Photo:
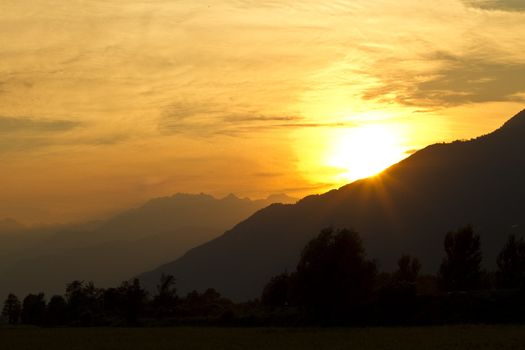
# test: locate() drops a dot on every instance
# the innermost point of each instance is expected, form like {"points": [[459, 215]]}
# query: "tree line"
{"points": [[83, 304], [335, 282]]}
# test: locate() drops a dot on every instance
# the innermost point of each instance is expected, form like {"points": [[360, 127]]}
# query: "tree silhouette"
{"points": [[511, 264], [208, 304], [407, 269], [165, 301], [12, 309], [83, 302], [276, 292], [461, 268], [334, 273], [398, 296], [403, 285], [131, 300], [57, 311], [211, 296], [110, 301], [34, 309]]}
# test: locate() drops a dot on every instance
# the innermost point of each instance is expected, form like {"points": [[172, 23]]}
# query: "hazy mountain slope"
{"points": [[407, 209], [106, 263], [110, 251], [10, 225], [162, 215]]}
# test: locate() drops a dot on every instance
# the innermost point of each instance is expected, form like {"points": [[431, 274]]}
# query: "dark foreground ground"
{"points": [[450, 337]]}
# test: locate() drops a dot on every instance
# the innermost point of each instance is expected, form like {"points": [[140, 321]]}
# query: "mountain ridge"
{"points": [[406, 209], [10, 225], [108, 252]]}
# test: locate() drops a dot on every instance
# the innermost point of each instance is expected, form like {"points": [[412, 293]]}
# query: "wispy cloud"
{"points": [[25, 134], [207, 120], [258, 118], [506, 5], [20, 134], [460, 80], [10, 125]]}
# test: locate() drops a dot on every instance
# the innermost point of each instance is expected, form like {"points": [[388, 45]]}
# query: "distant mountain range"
{"points": [[8, 225], [406, 209], [108, 252]]}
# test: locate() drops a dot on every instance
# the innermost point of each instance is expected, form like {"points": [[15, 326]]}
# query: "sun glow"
{"points": [[365, 151]]}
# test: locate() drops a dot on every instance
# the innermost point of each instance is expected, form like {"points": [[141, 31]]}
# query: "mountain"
{"points": [[10, 225], [162, 215], [110, 251], [407, 209]]}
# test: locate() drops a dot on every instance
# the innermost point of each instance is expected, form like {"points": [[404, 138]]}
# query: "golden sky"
{"points": [[107, 103]]}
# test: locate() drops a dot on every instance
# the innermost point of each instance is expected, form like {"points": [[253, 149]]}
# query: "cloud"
{"points": [[505, 5], [268, 174], [10, 125], [258, 118], [17, 143], [242, 130], [208, 120], [461, 80], [19, 134]]}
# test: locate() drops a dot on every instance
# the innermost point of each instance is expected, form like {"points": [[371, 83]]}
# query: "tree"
{"points": [[207, 304], [511, 264], [12, 309], [333, 273], [407, 269], [211, 296], [131, 300], [83, 302], [402, 288], [34, 309], [398, 297], [461, 268], [276, 292], [57, 311], [166, 298]]}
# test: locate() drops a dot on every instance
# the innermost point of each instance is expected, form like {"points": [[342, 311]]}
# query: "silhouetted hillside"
{"points": [[405, 210], [110, 251]]}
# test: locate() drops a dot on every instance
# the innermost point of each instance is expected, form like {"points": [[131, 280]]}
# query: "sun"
{"points": [[364, 151]]}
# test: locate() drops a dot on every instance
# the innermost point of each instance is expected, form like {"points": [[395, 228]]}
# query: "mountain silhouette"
{"points": [[9, 225], [110, 251], [407, 209]]}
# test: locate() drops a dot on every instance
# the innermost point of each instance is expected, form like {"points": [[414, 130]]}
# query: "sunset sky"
{"points": [[107, 103]]}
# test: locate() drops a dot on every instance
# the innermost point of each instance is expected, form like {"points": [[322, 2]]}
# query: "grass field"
{"points": [[456, 337]]}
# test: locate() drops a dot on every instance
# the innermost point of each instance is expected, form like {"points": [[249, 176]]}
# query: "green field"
{"points": [[456, 337]]}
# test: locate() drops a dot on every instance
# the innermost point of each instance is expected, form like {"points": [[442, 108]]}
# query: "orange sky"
{"points": [[107, 103]]}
